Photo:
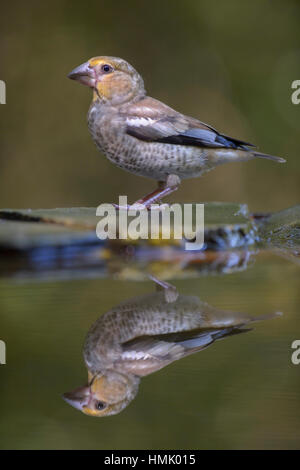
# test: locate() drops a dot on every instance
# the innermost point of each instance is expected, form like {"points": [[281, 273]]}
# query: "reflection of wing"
{"points": [[152, 121], [147, 354]]}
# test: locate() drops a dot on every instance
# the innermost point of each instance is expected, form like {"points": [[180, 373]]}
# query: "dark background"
{"points": [[230, 64]]}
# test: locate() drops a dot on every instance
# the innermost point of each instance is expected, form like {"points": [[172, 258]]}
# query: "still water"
{"points": [[198, 383]]}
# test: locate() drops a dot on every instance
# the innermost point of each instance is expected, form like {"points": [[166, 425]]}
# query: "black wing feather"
{"points": [[190, 137]]}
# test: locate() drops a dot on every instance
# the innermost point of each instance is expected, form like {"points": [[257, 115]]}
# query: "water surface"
{"points": [[241, 392]]}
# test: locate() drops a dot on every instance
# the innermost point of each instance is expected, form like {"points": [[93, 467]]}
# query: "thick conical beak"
{"points": [[84, 74], [79, 397]]}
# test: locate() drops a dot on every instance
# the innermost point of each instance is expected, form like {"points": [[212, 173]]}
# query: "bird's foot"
{"points": [[128, 207], [141, 207]]}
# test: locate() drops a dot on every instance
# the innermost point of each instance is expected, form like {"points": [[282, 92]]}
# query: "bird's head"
{"points": [[106, 394], [112, 79]]}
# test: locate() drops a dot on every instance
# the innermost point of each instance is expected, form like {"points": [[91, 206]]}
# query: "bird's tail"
{"points": [[269, 157]]}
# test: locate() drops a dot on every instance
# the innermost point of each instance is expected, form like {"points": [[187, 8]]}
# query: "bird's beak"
{"points": [[78, 398], [84, 74]]}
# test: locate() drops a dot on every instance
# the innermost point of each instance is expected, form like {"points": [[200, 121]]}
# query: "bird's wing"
{"points": [[152, 121], [144, 355]]}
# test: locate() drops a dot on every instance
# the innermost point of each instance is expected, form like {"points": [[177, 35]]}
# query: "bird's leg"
{"points": [[156, 195], [164, 189], [169, 290], [161, 185]]}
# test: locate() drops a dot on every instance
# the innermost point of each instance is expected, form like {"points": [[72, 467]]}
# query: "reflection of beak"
{"points": [[79, 398], [84, 74]]}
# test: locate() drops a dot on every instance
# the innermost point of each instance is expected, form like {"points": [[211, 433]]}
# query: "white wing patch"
{"points": [[139, 121], [135, 355]]}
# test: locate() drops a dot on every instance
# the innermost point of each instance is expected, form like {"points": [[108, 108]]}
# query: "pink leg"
{"points": [[163, 190], [170, 291], [156, 196]]}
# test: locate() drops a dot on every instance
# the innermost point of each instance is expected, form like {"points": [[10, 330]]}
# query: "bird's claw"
{"points": [[141, 207]]}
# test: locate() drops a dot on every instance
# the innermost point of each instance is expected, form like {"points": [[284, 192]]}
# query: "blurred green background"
{"points": [[230, 64]]}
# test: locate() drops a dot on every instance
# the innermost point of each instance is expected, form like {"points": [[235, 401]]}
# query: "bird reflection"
{"points": [[143, 335]]}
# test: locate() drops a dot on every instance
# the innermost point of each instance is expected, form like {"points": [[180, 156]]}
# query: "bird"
{"points": [[148, 138], [143, 335]]}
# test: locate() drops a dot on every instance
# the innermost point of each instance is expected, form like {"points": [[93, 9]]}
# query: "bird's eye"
{"points": [[106, 68], [100, 405]]}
